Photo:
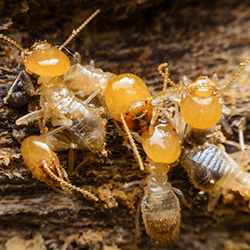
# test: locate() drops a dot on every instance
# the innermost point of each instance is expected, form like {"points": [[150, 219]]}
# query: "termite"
{"points": [[130, 102], [45, 59], [160, 206], [201, 101], [83, 124], [45, 166], [212, 170]]}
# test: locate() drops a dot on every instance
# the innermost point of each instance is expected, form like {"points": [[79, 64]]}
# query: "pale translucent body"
{"points": [[211, 169], [160, 206], [87, 79]]}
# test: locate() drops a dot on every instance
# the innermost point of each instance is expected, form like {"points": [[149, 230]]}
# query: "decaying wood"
{"points": [[194, 38]]}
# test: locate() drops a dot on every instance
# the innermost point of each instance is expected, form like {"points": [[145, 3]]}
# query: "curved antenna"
{"points": [[13, 42], [75, 32], [70, 186], [138, 157], [242, 66]]}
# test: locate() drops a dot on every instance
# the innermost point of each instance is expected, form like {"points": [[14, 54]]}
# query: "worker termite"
{"points": [[45, 166], [201, 101], [130, 102], [84, 124], [212, 170], [160, 206]]}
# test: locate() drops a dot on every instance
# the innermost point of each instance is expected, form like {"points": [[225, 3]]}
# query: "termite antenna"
{"points": [[70, 186], [242, 66], [165, 75], [10, 40], [75, 32], [132, 142], [164, 91]]}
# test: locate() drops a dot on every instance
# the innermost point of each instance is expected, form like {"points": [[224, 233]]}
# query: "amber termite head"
{"points": [[124, 91], [201, 101], [201, 104], [162, 143], [45, 59], [34, 152]]}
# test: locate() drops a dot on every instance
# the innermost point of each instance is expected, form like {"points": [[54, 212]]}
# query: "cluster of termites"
{"points": [[82, 125], [65, 94]]}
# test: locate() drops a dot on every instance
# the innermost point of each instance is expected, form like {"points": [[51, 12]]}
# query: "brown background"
{"points": [[195, 38]]}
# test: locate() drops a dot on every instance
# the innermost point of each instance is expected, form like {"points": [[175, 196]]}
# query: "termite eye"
{"points": [[45, 60], [201, 107], [123, 91], [162, 144]]}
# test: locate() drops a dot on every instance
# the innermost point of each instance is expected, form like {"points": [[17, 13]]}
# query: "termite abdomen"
{"points": [[204, 166], [210, 168], [161, 210]]}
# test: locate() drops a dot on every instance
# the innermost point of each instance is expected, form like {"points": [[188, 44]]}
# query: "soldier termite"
{"points": [[45, 59], [45, 166], [130, 102], [201, 101]]}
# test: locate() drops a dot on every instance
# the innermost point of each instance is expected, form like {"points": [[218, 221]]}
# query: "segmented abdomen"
{"points": [[161, 212], [87, 129], [209, 168]]}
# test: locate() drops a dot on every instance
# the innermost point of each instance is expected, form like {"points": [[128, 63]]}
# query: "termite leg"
{"points": [[28, 85], [30, 117]]}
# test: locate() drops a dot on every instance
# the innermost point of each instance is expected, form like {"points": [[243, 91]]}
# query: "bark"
{"points": [[195, 38]]}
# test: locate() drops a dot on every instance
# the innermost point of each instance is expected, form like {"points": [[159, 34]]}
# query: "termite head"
{"points": [[201, 101], [123, 91], [201, 104], [162, 143], [45, 59], [35, 152]]}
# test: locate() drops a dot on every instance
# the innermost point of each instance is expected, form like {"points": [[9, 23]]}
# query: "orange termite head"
{"points": [[201, 101], [162, 144], [201, 104], [123, 91], [45, 59]]}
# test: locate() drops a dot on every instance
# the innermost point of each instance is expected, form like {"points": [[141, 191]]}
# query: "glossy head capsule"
{"points": [[35, 152], [45, 60], [123, 91], [162, 144], [201, 104]]}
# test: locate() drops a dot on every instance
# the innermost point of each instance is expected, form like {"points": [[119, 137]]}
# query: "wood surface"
{"points": [[195, 38]]}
